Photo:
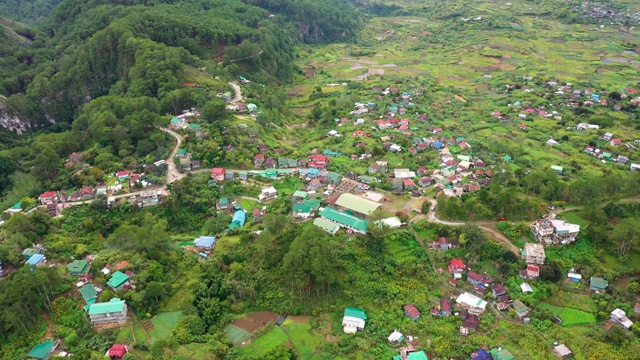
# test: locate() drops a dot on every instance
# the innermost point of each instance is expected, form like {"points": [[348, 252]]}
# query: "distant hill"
{"points": [[30, 12]]}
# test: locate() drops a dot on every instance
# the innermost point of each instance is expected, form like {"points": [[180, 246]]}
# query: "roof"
{"points": [[531, 249], [357, 203], [48, 194], [117, 350], [301, 194], [519, 306], [355, 312], [472, 300], [306, 206], [78, 266], [35, 259], [40, 351], [224, 201], [456, 264], [204, 241], [561, 350], [344, 219], [598, 282], [217, 171], [411, 310], [117, 279], [502, 354], [239, 217], [526, 288], [88, 292], [419, 355], [114, 305], [326, 224]]}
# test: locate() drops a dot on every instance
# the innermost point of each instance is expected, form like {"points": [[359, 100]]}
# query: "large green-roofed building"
{"points": [[112, 312], [305, 208], [42, 351], [79, 267], [357, 205], [117, 280], [345, 220]]}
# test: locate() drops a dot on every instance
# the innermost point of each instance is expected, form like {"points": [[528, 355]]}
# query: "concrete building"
{"points": [[534, 253], [112, 312]]}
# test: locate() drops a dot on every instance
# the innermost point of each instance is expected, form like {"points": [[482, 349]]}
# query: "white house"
{"points": [[268, 194], [472, 303], [618, 316], [352, 324]]}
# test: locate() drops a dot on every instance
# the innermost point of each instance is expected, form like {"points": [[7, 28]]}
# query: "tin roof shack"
{"points": [[562, 351]]}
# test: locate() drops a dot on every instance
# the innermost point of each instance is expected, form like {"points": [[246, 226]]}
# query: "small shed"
{"points": [[598, 284], [412, 312], [562, 351], [526, 288], [204, 242], [42, 351]]}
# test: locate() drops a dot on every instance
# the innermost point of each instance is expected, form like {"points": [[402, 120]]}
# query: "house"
{"points": [[267, 194], [634, 167], [204, 242], [607, 136], [471, 303], [118, 351], [258, 160], [534, 253], [424, 181], [498, 290], [557, 169], [619, 317], [408, 184], [217, 174], [531, 272], [118, 280], [222, 204], [636, 308], [575, 277], [35, 260], [306, 208], [76, 158], [481, 354], [456, 267], [411, 311], [555, 231], [445, 306], [345, 220], [270, 163], [43, 351], [562, 351], [239, 218], [299, 195], [622, 160], [78, 267], [521, 309], [353, 320], [314, 184], [328, 226], [318, 161], [112, 312], [526, 288], [410, 354], [552, 142], [474, 278], [615, 142], [598, 284], [500, 354], [403, 173], [88, 293], [471, 322], [441, 244], [357, 205], [395, 336], [50, 197]]}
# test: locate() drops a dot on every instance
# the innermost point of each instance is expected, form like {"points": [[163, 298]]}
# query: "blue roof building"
{"points": [[481, 354], [238, 220], [438, 145], [205, 241], [35, 259]]}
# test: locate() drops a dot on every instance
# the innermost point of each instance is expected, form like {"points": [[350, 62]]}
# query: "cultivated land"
{"points": [[468, 59]]}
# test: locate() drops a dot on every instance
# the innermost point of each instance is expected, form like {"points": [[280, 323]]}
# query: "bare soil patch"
{"points": [[255, 320], [300, 319]]}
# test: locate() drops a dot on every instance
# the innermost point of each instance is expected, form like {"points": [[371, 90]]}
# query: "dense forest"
{"points": [[30, 12]]}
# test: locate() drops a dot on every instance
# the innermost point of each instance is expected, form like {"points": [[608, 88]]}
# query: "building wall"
{"points": [[111, 318]]}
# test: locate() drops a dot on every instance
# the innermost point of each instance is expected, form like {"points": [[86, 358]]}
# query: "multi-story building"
{"points": [[555, 231], [534, 253], [112, 312]]}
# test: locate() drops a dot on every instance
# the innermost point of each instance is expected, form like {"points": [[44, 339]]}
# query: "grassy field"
{"points": [[303, 338], [574, 218], [273, 338], [570, 316]]}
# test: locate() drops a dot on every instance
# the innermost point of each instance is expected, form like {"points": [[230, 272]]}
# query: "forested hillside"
{"points": [[31, 12]]}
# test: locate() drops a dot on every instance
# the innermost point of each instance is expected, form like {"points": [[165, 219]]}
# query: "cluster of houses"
{"points": [[607, 156], [181, 122], [555, 232]]}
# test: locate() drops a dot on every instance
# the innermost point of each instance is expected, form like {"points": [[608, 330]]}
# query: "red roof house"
{"points": [[412, 312], [117, 351], [217, 174], [456, 265]]}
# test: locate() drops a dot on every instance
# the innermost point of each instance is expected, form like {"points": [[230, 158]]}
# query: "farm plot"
{"points": [[570, 316]]}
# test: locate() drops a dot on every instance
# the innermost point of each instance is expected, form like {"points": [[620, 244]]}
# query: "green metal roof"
{"points": [[182, 151], [306, 206], [419, 355], [40, 351], [355, 312], [114, 305], [78, 267], [176, 121], [300, 194], [28, 252], [88, 292], [334, 177], [598, 283], [224, 201], [503, 354], [357, 203], [16, 206], [556, 168], [507, 158], [117, 279], [194, 126], [344, 219]]}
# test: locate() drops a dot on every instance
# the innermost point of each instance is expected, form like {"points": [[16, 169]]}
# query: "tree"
{"points": [[215, 111], [626, 235]]}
